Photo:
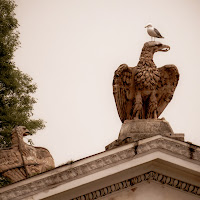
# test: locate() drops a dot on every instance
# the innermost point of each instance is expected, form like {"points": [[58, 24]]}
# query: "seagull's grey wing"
{"points": [[158, 33]]}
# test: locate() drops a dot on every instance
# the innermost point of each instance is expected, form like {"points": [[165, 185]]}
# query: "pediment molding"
{"points": [[149, 176], [99, 163]]}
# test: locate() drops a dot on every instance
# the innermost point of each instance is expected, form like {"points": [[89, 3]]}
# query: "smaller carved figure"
{"points": [[22, 160]]}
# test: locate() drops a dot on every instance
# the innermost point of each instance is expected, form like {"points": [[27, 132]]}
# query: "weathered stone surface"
{"points": [[135, 130], [22, 160], [117, 191], [141, 129], [104, 162], [143, 92]]}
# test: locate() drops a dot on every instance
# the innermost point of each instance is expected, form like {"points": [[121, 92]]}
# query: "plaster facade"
{"points": [[151, 191]]}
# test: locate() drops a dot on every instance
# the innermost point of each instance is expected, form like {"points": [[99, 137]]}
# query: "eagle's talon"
{"points": [[155, 114]]}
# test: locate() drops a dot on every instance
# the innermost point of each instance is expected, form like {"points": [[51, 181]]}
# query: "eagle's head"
{"points": [[154, 46]]}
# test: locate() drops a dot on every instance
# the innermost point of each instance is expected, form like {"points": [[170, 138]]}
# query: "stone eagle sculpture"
{"points": [[22, 160], [143, 92]]}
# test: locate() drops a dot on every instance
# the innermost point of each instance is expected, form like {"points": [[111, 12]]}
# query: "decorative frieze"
{"points": [[149, 176]]}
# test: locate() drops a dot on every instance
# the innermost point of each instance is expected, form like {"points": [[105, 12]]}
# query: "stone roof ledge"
{"points": [[160, 159]]}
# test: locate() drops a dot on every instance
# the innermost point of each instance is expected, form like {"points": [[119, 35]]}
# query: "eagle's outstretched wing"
{"points": [[121, 89], [10, 159], [169, 79]]}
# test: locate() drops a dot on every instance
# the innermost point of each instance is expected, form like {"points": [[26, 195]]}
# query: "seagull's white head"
{"points": [[148, 26]]}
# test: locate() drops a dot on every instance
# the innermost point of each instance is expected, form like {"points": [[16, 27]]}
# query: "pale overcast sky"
{"points": [[71, 49]]}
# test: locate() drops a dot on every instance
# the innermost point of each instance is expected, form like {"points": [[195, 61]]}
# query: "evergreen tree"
{"points": [[16, 102]]}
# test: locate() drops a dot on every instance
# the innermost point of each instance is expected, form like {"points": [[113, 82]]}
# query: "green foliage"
{"points": [[4, 181], [16, 102]]}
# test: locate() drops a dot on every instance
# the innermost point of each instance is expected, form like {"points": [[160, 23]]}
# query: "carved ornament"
{"points": [[143, 92], [22, 160]]}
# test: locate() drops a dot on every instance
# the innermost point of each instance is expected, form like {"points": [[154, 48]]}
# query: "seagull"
{"points": [[153, 32]]}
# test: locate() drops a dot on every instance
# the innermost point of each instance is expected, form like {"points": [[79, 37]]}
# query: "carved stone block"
{"points": [[135, 130]]}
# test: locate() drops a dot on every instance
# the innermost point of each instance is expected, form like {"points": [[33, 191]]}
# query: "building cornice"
{"points": [[105, 160], [149, 176]]}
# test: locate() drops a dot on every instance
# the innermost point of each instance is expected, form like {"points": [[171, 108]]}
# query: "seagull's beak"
{"points": [[145, 27]]}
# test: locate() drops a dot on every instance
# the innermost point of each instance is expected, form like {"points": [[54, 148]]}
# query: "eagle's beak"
{"points": [[26, 132], [163, 48]]}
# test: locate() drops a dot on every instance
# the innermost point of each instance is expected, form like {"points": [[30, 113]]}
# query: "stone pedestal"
{"points": [[135, 130]]}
